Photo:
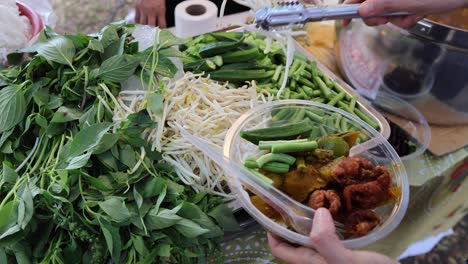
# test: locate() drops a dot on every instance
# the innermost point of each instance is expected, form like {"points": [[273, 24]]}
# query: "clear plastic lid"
{"points": [[410, 133], [237, 149]]}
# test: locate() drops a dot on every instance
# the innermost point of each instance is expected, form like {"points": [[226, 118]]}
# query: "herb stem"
{"points": [[12, 191], [41, 156]]}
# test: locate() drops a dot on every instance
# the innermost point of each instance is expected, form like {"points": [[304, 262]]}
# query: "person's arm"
{"points": [[150, 12], [328, 247], [418, 7]]}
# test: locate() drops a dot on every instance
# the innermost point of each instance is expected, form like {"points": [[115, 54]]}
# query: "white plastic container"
{"points": [[237, 149]]}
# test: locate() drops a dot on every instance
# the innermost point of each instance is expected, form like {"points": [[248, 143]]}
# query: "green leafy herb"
{"points": [[79, 182], [12, 107], [59, 49]]}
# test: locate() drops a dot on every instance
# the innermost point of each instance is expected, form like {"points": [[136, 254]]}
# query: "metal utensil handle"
{"points": [[351, 11]]}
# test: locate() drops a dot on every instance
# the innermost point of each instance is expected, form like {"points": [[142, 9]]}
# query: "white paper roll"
{"points": [[195, 17]]}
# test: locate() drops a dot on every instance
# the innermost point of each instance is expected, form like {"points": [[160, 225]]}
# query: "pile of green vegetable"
{"points": [[239, 57], [76, 186]]}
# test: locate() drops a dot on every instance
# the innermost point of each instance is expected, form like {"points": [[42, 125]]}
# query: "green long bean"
{"points": [[323, 87], [279, 157], [337, 98], [366, 119], [276, 167], [313, 116], [294, 147], [251, 163], [261, 176], [267, 145]]}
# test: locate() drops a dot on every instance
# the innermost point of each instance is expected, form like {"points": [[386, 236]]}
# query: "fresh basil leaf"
{"points": [[119, 177], [5, 136], [3, 256], [83, 141], [112, 237], [190, 229], [152, 186], [153, 155], [7, 148], [137, 196], [194, 213], [19, 250], [127, 156], [225, 218], [54, 129], [162, 218], [115, 48], [170, 52], [161, 197], [108, 160], [139, 245], [55, 101], [80, 41], [163, 250], [102, 183], [8, 219], [155, 103], [34, 88], [136, 219], [108, 35], [115, 207], [77, 162], [41, 97], [96, 45], [27, 206], [12, 107], [9, 175], [166, 67], [167, 39], [65, 114], [117, 68], [173, 190], [107, 141], [41, 121], [59, 49]]}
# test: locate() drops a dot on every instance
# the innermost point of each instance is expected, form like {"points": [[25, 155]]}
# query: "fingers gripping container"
{"points": [[237, 149]]}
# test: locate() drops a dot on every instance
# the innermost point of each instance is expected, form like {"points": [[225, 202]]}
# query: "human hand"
{"points": [[420, 8], [328, 247], [150, 12]]}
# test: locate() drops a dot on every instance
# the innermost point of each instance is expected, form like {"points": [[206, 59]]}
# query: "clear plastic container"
{"points": [[237, 149], [408, 118]]}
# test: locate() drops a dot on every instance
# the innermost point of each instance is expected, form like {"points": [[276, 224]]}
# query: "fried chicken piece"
{"points": [[370, 194], [326, 198], [361, 222], [353, 170]]}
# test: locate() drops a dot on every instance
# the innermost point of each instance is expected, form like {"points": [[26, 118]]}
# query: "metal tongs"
{"points": [[294, 14], [299, 216]]}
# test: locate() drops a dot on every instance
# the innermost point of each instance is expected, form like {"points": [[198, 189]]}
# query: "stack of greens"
{"points": [[239, 57], [75, 185]]}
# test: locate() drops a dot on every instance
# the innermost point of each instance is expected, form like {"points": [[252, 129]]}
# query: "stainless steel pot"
{"points": [[426, 65]]}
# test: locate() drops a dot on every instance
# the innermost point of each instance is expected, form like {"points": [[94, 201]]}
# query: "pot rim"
{"points": [[440, 33]]}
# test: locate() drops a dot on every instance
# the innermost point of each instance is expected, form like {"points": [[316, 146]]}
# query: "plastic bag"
{"points": [[44, 9]]}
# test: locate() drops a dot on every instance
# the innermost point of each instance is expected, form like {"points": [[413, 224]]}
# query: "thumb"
{"points": [[325, 240]]}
